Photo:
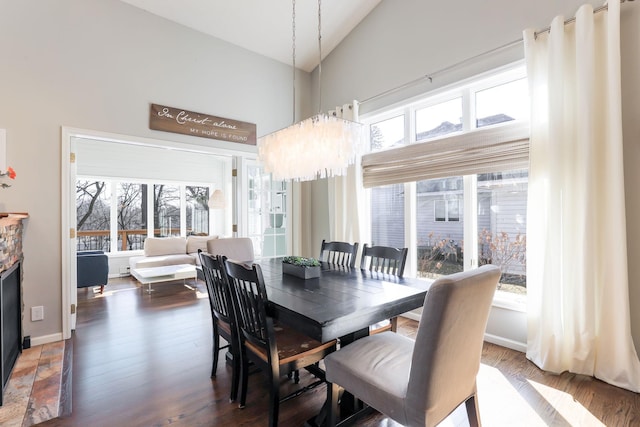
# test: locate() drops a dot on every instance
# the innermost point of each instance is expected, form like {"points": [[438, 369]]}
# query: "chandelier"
{"points": [[318, 147]]}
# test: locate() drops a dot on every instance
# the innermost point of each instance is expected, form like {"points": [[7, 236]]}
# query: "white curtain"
{"points": [[345, 193], [577, 281]]}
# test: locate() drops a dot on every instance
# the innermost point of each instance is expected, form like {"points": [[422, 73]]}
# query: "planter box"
{"points": [[300, 271]]}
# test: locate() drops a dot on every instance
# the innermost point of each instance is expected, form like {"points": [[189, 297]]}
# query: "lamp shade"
{"points": [[216, 201], [319, 147]]}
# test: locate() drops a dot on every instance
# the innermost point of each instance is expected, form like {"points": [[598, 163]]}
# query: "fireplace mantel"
{"points": [[11, 238], [7, 218]]}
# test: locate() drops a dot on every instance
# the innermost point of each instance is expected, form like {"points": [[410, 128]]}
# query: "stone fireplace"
{"points": [[11, 229]]}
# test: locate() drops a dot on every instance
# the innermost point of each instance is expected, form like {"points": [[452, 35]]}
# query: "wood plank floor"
{"points": [[144, 360]]}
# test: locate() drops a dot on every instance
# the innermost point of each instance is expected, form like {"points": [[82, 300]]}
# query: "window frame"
{"points": [[467, 90], [114, 249]]}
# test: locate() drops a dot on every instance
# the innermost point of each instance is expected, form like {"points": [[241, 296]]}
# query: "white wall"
{"points": [[98, 64], [630, 26], [401, 41]]}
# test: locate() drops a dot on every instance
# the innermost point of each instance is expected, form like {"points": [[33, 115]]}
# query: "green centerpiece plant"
{"points": [[304, 268]]}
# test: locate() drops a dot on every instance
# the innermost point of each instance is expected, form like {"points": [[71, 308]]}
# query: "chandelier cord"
{"points": [[320, 57], [293, 41]]}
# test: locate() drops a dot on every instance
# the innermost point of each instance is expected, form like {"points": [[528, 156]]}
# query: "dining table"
{"points": [[340, 304]]}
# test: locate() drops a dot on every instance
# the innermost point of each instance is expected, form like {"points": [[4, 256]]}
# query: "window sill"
{"points": [[509, 301]]}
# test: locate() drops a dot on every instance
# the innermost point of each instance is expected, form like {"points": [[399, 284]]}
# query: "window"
{"points": [[93, 207], [439, 237], [502, 103], [197, 210], [387, 133], [469, 199], [439, 120], [147, 194], [387, 211], [127, 209], [502, 226], [132, 216], [446, 210], [166, 210]]}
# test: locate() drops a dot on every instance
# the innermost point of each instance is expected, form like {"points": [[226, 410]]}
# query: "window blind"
{"points": [[485, 150]]}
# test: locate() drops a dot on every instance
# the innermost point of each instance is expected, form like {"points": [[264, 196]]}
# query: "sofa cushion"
{"points": [[198, 242], [238, 249], [155, 246], [161, 261]]}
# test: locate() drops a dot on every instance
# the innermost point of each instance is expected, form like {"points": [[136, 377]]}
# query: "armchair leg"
{"points": [[101, 288]]}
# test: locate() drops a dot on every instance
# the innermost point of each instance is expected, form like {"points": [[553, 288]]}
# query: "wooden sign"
{"points": [[169, 119]]}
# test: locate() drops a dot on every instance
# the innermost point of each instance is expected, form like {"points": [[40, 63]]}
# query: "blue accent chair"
{"points": [[93, 269]]}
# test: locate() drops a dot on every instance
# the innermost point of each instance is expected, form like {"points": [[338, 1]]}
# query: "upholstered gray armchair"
{"points": [[93, 269], [420, 383]]}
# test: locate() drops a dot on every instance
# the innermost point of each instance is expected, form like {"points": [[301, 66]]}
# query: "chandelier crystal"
{"points": [[319, 147]]}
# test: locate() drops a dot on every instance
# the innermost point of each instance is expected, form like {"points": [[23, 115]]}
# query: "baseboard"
{"points": [[505, 342], [46, 339], [493, 339], [411, 315]]}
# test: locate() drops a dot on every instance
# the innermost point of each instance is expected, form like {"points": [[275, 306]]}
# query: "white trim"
{"points": [[493, 339], [68, 263], [46, 339], [505, 342], [250, 152], [510, 301]]}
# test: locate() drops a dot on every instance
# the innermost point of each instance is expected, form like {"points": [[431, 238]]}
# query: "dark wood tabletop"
{"points": [[341, 301]]}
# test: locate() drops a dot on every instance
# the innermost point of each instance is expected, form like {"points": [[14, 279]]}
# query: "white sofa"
{"points": [[163, 251]]}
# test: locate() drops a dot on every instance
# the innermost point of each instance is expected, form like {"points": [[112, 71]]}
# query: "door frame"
{"points": [[68, 214]]}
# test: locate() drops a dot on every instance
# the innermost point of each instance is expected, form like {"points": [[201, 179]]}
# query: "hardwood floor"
{"points": [[144, 360]]}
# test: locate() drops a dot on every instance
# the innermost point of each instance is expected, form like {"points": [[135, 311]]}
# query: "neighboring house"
{"points": [[502, 205]]}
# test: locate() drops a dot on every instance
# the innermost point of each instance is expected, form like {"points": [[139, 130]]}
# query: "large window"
{"points": [[137, 210], [468, 187]]}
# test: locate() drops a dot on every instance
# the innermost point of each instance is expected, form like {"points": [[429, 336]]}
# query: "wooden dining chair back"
{"points": [[339, 253], [384, 259], [421, 382], [222, 315], [277, 350]]}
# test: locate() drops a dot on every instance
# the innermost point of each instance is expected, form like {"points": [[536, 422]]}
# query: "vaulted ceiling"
{"points": [[265, 26]]}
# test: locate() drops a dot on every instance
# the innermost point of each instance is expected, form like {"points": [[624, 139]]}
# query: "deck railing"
{"points": [[128, 240]]}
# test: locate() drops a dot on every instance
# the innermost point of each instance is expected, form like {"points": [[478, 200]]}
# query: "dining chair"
{"points": [[419, 383], [384, 260], [224, 324], [277, 351], [339, 253]]}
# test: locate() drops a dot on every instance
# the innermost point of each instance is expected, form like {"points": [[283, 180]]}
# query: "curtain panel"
{"points": [[347, 212], [485, 150], [577, 278]]}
